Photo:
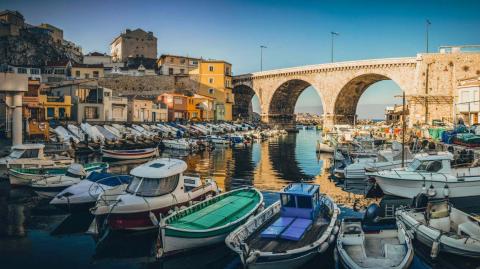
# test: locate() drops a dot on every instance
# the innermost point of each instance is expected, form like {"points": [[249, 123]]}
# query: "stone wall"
{"points": [[150, 85]]}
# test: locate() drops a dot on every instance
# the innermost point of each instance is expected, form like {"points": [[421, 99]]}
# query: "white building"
{"points": [[97, 58], [468, 100], [32, 72]]}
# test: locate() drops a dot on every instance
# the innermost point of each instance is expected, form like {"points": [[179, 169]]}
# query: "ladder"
{"points": [[389, 211]]}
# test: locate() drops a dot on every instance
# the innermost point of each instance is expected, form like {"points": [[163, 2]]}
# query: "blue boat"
{"points": [[290, 232]]}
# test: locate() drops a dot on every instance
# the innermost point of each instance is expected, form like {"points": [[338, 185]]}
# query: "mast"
{"points": [[403, 130]]}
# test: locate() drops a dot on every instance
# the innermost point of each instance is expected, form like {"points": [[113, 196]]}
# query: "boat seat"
{"points": [[276, 228], [394, 251], [297, 229], [470, 229], [222, 214]]}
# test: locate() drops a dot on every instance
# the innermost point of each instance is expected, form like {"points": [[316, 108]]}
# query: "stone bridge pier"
{"points": [[428, 80]]}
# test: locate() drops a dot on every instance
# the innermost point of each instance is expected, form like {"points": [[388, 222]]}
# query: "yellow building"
{"points": [[200, 108], [87, 70], [215, 79], [55, 107]]}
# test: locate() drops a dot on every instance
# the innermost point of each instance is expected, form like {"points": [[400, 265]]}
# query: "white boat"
{"points": [[113, 130], [182, 144], [207, 222], [30, 156], [84, 194], [322, 147], [443, 228], [157, 188], [386, 160], [290, 232], [92, 132], [431, 174], [218, 140], [109, 136], [48, 187], [64, 135], [76, 132], [130, 154], [370, 246]]}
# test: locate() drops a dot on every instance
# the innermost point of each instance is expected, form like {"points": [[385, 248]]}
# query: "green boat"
{"points": [[25, 176], [207, 222]]}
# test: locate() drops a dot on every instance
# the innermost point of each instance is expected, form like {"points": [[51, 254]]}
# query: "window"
{"points": [[288, 200], [210, 68], [106, 94], [210, 80], [59, 71], [153, 186], [178, 115], [178, 101], [182, 61], [50, 112], [91, 112], [210, 91], [182, 71], [170, 71], [227, 71], [87, 75], [171, 60], [95, 74], [304, 202], [194, 62], [77, 73], [61, 113], [30, 153], [21, 70]]}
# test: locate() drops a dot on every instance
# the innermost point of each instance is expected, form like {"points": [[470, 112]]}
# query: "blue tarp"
{"points": [[109, 179]]}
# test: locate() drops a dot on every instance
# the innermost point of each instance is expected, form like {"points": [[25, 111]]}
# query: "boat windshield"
{"points": [[425, 166], [16, 154], [150, 187], [24, 154]]}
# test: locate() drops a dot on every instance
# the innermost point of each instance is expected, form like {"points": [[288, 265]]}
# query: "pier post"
{"points": [[13, 86]]}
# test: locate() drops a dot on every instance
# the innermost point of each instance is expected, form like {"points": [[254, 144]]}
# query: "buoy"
{"points": [[331, 239], [424, 189], [435, 249], [153, 219], [431, 191], [446, 191], [323, 247], [252, 257]]}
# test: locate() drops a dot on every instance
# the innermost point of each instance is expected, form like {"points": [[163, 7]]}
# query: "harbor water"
{"points": [[34, 234]]}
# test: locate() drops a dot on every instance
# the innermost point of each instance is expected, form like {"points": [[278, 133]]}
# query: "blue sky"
{"points": [[295, 32]]}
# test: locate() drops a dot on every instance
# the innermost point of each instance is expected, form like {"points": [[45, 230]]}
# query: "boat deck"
{"points": [[377, 252], [221, 212], [278, 245]]}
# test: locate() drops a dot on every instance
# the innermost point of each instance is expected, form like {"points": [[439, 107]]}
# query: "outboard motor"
{"points": [[420, 201], [372, 214]]}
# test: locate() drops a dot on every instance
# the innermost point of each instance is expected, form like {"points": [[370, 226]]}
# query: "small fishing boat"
{"points": [[50, 186], [157, 188], [182, 144], [208, 222], [290, 232], [84, 194], [218, 140], [444, 228], [25, 176], [30, 156], [322, 147], [361, 245], [130, 154], [431, 174]]}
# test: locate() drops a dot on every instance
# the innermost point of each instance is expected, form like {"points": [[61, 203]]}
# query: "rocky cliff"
{"points": [[30, 49]]}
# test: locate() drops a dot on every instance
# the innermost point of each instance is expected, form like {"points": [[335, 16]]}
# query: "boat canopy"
{"points": [[300, 200], [109, 179], [160, 168]]}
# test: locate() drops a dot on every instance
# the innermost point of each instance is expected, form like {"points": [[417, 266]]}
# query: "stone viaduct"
{"points": [[428, 80]]}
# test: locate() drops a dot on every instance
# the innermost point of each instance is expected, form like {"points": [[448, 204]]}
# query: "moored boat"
{"points": [[25, 176], [208, 222], [362, 245], [431, 174], [158, 187], [130, 154], [84, 194], [290, 232], [50, 186], [444, 228]]}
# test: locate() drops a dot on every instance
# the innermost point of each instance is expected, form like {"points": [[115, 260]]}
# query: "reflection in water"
{"points": [[29, 227]]}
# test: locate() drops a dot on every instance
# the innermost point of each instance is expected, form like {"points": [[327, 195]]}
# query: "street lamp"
{"points": [[427, 25], [261, 56], [333, 35]]}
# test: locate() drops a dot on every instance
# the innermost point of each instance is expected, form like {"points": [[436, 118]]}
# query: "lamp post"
{"points": [[333, 35], [261, 56], [427, 25]]}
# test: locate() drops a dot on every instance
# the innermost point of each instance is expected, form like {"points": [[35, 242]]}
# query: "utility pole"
{"points": [[261, 56], [333, 34], [427, 25], [403, 130]]}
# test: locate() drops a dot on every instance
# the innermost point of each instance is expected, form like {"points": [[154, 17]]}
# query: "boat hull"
{"points": [[129, 155], [410, 188]]}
